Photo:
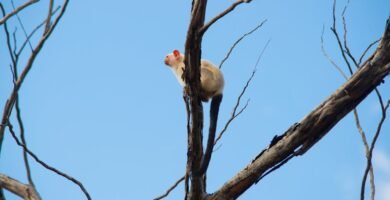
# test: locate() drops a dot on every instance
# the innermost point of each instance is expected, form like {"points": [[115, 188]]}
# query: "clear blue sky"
{"points": [[100, 104]]}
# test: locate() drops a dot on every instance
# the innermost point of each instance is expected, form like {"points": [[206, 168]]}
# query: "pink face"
{"points": [[173, 59]]}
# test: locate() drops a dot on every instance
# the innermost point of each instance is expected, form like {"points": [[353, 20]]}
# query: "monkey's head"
{"points": [[174, 59]]}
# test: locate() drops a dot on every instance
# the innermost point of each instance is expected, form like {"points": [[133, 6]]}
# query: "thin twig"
{"points": [[170, 189], [15, 11], [368, 48], [14, 60], [334, 30], [347, 51], [373, 142], [216, 18], [35, 157], [21, 25], [234, 114], [34, 31], [349, 54], [324, 52], [12, 98], [238, 41], [48, 18]]}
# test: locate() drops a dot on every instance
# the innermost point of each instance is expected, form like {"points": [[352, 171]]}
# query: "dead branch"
{"points": [[24, 191], [170, 189], [317, 123], [48, 18], [15, 11], [239, 40], [222, 14], [28, 37], [14, 59], [325, 53], [12, 98], [369, 156], [45, 165], [192, 80], [193, 44], [356, 115], [357, 120], [366, 50], [334, 30], [234, 113]]}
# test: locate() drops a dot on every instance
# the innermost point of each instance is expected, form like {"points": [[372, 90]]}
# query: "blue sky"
{"points": [[100, 105]]}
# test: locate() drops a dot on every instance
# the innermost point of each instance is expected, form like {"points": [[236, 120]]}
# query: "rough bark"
{"points": [[26, 192], [193, 53]]}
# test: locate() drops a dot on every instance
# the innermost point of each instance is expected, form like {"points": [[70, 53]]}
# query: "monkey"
{"points": [[211, 78], [212, 85]]}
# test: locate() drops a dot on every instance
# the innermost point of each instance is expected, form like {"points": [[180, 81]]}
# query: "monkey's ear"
{"points": [[176, 53]]}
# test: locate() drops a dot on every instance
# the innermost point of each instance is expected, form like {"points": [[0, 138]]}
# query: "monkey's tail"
{"points": [[214, 110]]}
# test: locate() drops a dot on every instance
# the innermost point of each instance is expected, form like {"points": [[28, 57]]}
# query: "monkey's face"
{"points": [[173, 59]]}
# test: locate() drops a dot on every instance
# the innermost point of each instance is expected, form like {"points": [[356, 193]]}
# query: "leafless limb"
{"points": [[24, 191], [170, 189], [316, 124], [35, 157], [357, 120], [28, 37], [234, 113], [373, 142], [21, 25], [12, 98], [14, 59], [368, 48], [334, 30], [329, 58], [18, 9], [216, 18], [347, 50], [18, 81], [48, 18], [239, 40]]}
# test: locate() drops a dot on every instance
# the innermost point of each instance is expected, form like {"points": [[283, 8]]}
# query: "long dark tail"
{"points": [[214, 110]]}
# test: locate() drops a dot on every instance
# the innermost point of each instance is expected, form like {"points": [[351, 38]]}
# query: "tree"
{"points": [[295, 141]]}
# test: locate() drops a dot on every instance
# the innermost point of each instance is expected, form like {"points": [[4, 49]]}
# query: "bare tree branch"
{"points": [[222, 14], [239, 40], [347, 51], [34, 31], [48, 18], [15, 11], [21, 25], [170, 189], [24, 191], [298, 140], [14, 59], [334, 30], [12, 98], [35, 157], [324, 52], [192, 57], [357, 120], [369, 156], [368, 48], [234, 114]]}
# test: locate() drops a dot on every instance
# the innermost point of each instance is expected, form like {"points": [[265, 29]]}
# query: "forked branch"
{"points": [[15, 11]]}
